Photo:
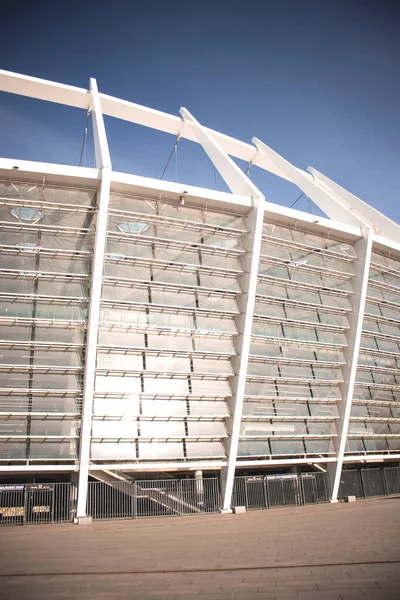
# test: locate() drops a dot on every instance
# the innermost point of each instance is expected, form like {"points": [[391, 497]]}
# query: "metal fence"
{"points": [[290, 489], [35, 503], [29, 503], [153, 498], [369, 483]]}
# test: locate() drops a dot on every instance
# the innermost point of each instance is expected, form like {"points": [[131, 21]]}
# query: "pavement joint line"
{"points": [[201, 570]]}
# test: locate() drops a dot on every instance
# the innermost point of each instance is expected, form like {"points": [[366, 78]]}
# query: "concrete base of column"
{"points": [[225, 511], [333, 500], [83, 520]]}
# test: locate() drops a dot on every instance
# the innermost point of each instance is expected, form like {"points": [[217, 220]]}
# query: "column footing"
{"points": [[225, 511], [83, 520]]}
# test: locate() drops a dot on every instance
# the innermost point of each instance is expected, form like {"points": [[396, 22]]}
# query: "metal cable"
{"points": [[297, 199], [83, 150], [178, 137]]}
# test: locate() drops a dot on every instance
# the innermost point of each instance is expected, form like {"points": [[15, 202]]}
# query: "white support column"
{"points": [[363, 248], [103, 162], [238, 183]]}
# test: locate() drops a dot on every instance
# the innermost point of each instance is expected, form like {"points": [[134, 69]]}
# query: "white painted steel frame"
{"points": [[363, 248], [103, 162], [352, 218]]}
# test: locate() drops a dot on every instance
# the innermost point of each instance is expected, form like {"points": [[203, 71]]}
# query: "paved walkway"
{"points": [[343, 551]]}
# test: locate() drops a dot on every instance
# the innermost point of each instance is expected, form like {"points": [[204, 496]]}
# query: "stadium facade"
{"points": [[153, 326]]}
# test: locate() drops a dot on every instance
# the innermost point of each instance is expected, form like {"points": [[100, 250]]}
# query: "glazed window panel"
{"points": [[205, 449], [181, 235], [59, 381], [209, 408], [275, 250], [253, 448], [216, 324], [324, 428], [60, 265], [335, 301], [60, 334], [123, 385], [278, 231], [319, 446], [18, 284], [257, 349], [123, 317], [205, 365], [163, 386], [117, 252], [214, 302], [63, 288], [53, 404], [164, 408], [112, 450], [169, 342], [15, 309], [219, 240], [119, 362], [204, 344], [270, 310], [378, 444], [302, 314], [276, 271], [13, 426], [323, 410], [72, 312], [175, 255], [355, 445], [44, 427], [21, 262], [285, 447], [271, 290], [153, 450], [296, 372], [117, 407], [262, 369], [184, 277], [260, 388], [112, 292], [393, 443], [162, 429], [12, 450], [173, 298], [206, 429], [173, 321], [293, 391], [299, 333], [267, 329], [258, 409], [221, 283], [220, 261], [167, 364], [291, 409], [65, 358], [120, 338], [53, 450], [217, 388], [127, 271]]}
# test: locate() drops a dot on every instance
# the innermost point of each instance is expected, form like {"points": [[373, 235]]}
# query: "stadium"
{"points": [[150, 327]]}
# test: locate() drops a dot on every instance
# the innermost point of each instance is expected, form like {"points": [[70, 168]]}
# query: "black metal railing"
{"points": [[28, 503]]}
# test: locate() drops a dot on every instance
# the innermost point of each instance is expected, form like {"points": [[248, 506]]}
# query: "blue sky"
{"points": [[318, 81]]}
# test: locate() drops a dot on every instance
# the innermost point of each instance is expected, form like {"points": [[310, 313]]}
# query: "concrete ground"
{"points": [[342, 551]]}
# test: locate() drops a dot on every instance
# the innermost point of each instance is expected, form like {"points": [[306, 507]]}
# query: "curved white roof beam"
{"points": [[233, 176], [323, 197], [379, 222], [333, 200]]}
